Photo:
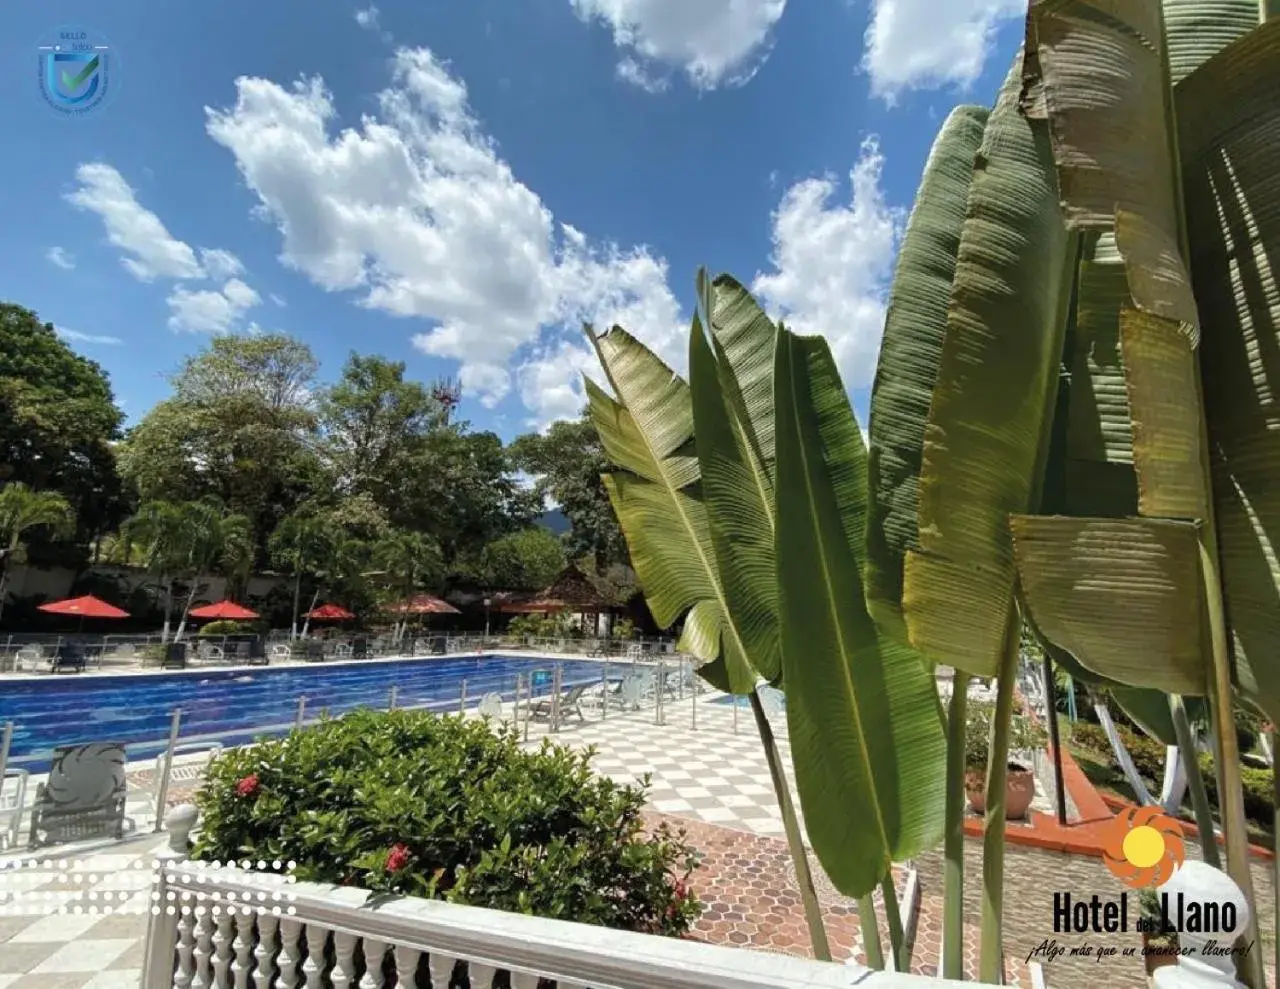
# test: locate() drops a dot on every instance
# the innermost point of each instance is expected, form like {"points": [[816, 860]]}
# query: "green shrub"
{"points": [[1024, 735], [226, 626], [413, 803], [623, 628], [1146, 752], [1259, 796]]}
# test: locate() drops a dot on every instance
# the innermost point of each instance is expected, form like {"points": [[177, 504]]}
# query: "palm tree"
{"points": [[163, 531], [411, 562], [302, 543], [346, 559], [217, 542], [22, 509]]}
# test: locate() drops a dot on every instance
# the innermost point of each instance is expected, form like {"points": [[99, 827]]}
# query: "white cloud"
{"points": [[219, 264], [60, 257], [916, 44], [368, 17], [833, 263], [551, 381], [279, 301], [151, 250], [629, 70], [415, 211], [714, 42], [210, 311], [89, 338]]}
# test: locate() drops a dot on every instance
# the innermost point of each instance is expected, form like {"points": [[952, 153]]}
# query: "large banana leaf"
{"points": [[863, 714], [654, 492], [1229, 124], [999, 364], [1196, 30], [1117, 594], [909, 355], [739, 501]]}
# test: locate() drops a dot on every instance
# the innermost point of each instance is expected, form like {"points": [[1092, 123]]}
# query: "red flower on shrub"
{"points": [[397, 858], [248, 786]]}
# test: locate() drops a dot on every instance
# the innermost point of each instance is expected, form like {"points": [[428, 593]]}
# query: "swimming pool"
{"points": [[235, 706]]}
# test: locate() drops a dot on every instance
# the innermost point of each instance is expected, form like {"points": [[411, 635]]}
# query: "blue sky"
{"points": [[458, 185]]}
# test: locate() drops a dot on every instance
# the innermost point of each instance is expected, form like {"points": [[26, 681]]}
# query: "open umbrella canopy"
{"points": [[84, 607], [423, 604], [330, 612], [224, 609]]}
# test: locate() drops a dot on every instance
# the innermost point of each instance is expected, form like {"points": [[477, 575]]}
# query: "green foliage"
{"points": [[1146, 752], [1259, 795], [623, 628], [526, 560], [57, 421], [237, 429], [226, 626], [1025, 735], [566, 463], [412, 803], [539, 626]]}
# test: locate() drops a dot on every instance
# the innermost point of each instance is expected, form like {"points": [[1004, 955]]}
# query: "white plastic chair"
{"points": [[209, 653], [342, 650], [280, 651], [490, 706], [29, 659]]}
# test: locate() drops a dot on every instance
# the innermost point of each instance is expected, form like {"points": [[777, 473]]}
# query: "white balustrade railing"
{"points": [[230, 928]]}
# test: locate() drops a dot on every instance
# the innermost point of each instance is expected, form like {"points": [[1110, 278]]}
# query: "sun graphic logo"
{"points": [[1144, 847]]}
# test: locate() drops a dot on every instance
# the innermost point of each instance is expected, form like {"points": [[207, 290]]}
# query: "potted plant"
{"points": [[1020, 785], [1159, 942]]}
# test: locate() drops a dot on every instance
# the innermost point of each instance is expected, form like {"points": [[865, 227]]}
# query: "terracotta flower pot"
{"points": [[1019, 790]]}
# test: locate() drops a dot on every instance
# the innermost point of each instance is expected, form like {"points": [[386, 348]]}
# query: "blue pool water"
{"points": [[235, 706]]}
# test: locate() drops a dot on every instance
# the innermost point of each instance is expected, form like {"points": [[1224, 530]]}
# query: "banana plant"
{"points": [[853, 701], [961, 420], [900, 400], [657, 495], [1173, 157]]}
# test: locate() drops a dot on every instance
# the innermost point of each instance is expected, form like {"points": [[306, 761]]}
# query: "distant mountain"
{"points": [[554, 520]]}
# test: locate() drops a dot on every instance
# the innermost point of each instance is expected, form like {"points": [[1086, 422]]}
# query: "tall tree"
{"points": [[528, 559], [21, 510], [217, 542], [303, 544], [410, 562], [567, 463], [58, 420], [239, 427], [460, 488], [161, 533], [372, 418]]}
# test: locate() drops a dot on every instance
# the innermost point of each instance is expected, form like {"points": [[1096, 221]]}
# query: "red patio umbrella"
{"points": [[423, 604], [224, 609], [85, 607], [329, 612]]}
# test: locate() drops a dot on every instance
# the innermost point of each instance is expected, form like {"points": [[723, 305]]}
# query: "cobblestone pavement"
{"points": [[1032, 876]]}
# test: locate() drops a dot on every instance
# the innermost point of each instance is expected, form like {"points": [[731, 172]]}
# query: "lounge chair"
{"points": [[69, 658], [256, 652], [360, 648], [570, 703], [175, 656], [315, 651], [84, 796]]}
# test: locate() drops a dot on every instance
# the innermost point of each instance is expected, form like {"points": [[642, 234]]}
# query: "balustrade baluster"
{"points": [[481, 975], [186, 942], [223, 922], [524, 980], [313, 967], [243, 947], [268, 924], [344, 964], [202, 978], [374, 953], [287, 960], [441, 966], [407, 967]]}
